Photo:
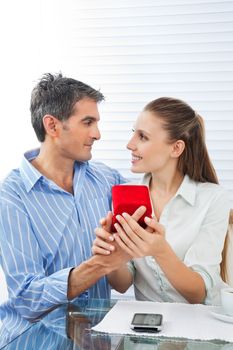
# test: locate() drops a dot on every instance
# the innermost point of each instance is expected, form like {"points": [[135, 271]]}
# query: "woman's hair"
{"points": [[183, 123]]}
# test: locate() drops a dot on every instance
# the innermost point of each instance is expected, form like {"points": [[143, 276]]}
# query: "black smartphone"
{"points": [[151, 323]]}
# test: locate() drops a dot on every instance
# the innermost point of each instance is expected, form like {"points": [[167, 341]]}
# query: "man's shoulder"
{"points": [[104, 173], [103, 169], [96, 165], [13, 179], [11, 189]]}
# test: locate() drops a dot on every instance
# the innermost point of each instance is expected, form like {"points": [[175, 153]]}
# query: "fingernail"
{"points": [[111, 238], [147, 219], [118, 217], [111, 247], [124, 215]]}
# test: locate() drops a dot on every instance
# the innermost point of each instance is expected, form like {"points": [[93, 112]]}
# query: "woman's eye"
{"points": [[142, 136]]}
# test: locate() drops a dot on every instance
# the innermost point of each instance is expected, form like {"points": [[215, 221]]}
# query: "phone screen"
{"points": [[149, 320]]}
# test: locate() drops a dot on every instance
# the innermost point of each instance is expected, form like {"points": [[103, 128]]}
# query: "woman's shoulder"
{"points": [[214, 194], [212, 188]]}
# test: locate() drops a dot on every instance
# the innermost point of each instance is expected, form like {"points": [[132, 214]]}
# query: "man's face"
{"points": [[78, 133]]}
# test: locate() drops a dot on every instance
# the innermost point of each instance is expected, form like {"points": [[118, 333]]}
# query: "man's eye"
{"points": [[88, 122]]}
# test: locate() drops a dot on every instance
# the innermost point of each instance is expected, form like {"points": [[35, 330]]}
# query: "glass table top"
{"points": [[69, 327]]}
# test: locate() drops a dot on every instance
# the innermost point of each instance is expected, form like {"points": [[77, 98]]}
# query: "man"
{"points": [[51, 205]]}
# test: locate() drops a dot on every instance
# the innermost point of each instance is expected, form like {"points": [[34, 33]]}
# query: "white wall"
{"points": [[19, 64], [3, 288]]}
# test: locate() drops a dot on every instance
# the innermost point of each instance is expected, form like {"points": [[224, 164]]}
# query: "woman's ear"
{"points": [[51, 125], [178, 148]]}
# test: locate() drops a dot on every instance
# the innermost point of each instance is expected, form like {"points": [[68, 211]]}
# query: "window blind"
{"points": [[137, 51]]}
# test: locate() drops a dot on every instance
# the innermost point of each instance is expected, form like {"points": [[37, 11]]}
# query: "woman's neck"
{"points": [[163, 189], [166, 185]]}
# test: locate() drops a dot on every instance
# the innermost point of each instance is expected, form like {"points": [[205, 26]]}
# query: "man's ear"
{"points": [[51, 125], [178, 148]]}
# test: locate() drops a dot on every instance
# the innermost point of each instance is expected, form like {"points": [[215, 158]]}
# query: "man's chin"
{"points": [[88, 157]]}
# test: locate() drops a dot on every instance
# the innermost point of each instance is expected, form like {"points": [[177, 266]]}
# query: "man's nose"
{"points": [[96, 134]]}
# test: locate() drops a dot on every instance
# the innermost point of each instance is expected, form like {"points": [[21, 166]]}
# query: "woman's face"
{"points": [[150, 147]]}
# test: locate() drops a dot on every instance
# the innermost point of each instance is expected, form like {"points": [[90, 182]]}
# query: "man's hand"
{"points": [[103, 244]]}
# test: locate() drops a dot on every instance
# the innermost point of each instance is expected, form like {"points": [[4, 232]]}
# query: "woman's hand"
{"points": [[104, 243], [139, 242]]}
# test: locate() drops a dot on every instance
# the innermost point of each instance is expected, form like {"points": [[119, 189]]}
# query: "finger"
{"points": [[107, 222], [155, 225], [129, 238], [102, 222], [123, 246], [139, 212], [155, 218], [132, 228], [103, 244], [148, 228], [103, 234], [97, 250]]}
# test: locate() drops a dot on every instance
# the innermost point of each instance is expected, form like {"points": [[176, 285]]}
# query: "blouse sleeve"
{"points": [[205, 254]]}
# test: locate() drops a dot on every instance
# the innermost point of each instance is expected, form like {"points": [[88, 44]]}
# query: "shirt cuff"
{"points": [[57, 286]]}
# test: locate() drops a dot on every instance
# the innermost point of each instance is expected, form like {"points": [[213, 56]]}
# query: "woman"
{"points": [[177, 258]]}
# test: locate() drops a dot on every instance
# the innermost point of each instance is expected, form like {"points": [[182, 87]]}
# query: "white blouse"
{"points": [[195, 221]]}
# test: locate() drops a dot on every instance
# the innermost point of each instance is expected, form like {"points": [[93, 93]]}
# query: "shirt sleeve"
{"points": [[31, 289], [205, 254], [131, 267], [119, 179]]}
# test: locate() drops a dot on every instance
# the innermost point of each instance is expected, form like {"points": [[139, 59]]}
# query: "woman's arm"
{"points": [[121, 279], [138, 242]]}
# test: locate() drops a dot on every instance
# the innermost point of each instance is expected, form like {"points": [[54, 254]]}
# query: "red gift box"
{"points": [[127, 198]]}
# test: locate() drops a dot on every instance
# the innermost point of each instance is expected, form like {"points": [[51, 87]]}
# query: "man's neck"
{"points": [[58, 170]]}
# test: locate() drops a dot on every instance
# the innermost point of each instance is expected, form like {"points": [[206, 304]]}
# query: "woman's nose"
{"points": [[130, 145]]}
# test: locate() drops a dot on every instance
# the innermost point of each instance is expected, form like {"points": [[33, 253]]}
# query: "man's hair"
{"points": [[182, 123], [56, 95]]}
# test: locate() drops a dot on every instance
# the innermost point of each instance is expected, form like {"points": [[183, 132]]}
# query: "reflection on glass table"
{"points": [[69, 327]]}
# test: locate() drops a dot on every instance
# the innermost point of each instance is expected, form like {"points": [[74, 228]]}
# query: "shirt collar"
{"points": [[187, 189], [30, 175]]}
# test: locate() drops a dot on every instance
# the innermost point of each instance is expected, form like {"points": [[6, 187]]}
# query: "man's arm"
{"points": [[32, 290], [89, 272]]}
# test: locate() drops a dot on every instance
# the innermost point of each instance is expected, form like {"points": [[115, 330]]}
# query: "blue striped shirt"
{"points": [[44, 232]]}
